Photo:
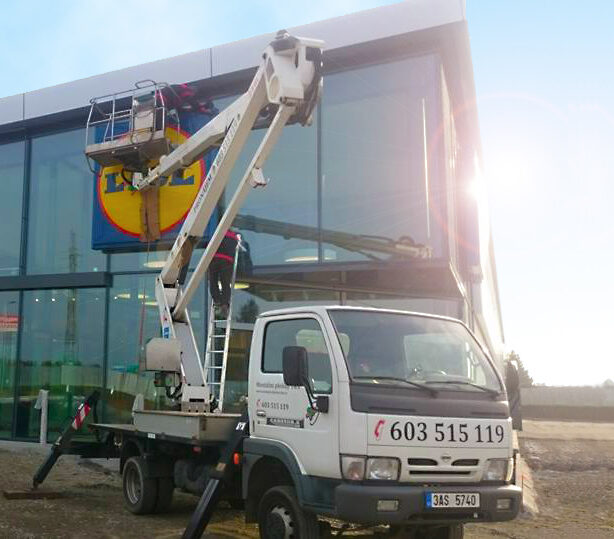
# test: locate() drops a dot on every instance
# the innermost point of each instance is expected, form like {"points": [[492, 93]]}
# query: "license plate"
{"points": [[451, 500]]}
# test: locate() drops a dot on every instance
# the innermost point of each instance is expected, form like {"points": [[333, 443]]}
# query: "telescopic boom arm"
{"points": [[288, 79]]}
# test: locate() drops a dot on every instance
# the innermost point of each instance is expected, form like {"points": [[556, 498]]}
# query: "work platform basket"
{"points": [[129, 128]]}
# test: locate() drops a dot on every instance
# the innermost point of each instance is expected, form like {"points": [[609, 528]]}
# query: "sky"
{"points": [[545, 87]]}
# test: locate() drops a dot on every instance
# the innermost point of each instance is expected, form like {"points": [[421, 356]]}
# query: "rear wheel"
{"points": [[280, 516], [140, 493]]}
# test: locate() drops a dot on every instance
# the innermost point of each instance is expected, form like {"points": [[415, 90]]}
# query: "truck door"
{"points": [[283, 413]]}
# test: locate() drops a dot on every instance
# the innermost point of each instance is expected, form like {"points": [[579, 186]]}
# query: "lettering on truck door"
{"points": [[283, 413]]}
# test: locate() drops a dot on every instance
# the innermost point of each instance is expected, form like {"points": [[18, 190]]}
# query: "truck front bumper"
{"points": [[359, 503]]}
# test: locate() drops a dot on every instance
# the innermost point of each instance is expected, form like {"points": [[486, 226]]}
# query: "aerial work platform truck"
{"points": [[352, 415]]}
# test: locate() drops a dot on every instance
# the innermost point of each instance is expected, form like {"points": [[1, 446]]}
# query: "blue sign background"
{"points": [[107, 237]]}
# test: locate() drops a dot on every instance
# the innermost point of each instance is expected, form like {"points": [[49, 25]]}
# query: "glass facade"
{"points": [[376, 168], [288, 202], [365, 173], [11, 183], [60, 212], [377, 178], [62, 351], [9, 323]]}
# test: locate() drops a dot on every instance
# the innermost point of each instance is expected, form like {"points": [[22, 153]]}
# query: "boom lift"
{"points": [[289, 78], [285, 87]]}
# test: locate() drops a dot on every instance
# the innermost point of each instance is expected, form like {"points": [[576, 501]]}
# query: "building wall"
{"points": [[568, 403], [380, 164]]}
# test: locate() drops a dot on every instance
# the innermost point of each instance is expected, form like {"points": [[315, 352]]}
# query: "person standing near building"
{"points": [[220, 273]]}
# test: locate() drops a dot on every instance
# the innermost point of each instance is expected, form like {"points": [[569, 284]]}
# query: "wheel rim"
{"points": [[280, 523], [133, 485]]}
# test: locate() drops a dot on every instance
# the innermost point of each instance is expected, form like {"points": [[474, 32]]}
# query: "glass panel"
{"points": [[286, 209], [450, 147], [138, 261], [129, 262], [133, 320], [308, 334], [60, 215], [441, 307], [11, 184], [377, 126], [250, 300], [9, 321], [61, 351]]}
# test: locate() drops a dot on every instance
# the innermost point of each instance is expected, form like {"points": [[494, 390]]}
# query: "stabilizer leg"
{"points": [[211, 496], [204, 510], [63, 441]]}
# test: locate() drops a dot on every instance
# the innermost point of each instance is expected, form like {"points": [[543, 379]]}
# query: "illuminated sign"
{"points": [[8, 323]]}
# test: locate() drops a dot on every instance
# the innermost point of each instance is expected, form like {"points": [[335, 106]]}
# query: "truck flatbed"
{"points": [[196, 428]]}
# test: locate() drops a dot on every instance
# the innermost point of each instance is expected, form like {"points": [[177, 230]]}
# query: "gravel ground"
{"points": [[573, 474], [574, 479]]}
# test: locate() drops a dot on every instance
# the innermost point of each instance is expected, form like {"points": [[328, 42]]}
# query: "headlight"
{"points": [[499, 470], [358, 468], [383, 469], [352, 467]]}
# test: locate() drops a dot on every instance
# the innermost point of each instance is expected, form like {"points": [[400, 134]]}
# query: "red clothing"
{"points": [[228, 247]]}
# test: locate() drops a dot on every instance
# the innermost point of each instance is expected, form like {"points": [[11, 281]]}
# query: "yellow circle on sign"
{"points": [[122, 205]]}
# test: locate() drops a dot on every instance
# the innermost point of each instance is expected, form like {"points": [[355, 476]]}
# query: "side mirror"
{"points": [[294, 365]]}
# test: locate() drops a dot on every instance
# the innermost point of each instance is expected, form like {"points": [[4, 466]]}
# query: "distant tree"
{"points": [[608, 383], [248, 312], [523, 373]]}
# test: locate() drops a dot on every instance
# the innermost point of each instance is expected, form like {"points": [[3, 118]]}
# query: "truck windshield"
{"points": [[441, 354]]}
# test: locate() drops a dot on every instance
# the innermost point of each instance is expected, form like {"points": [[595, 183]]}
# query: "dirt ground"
{"points": [[573, 474]]}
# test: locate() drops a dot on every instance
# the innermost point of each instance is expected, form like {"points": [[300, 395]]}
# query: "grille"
{"points": [[422, 462], [426, 467], [465, 462]]}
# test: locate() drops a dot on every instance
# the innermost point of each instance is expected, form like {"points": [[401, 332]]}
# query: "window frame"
{"points": [[293, 318]]}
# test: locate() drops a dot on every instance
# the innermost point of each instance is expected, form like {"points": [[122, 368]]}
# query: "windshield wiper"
{"points": [[493, 392], [405, 381]]}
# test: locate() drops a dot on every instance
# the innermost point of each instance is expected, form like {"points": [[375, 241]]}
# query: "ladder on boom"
{"points": [[219, 328]]}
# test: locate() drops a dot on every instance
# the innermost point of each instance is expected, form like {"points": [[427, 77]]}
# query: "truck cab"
{"points": [[376, 417]]}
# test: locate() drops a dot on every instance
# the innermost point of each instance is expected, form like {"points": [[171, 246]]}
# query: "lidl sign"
{"points": [[117, 206]]}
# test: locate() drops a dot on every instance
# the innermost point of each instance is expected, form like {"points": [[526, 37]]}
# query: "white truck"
{"points": [[365, 416], [374, 416]]}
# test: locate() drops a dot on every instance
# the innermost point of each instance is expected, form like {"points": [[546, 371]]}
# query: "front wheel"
{"points": [[280, 516]]}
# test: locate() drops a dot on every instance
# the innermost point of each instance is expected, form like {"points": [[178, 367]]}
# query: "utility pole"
{"points": [[70, 337]]}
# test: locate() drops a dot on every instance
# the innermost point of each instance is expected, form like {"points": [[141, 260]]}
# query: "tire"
{"points": [[280, 516], [140, 494], [166, 488]]}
